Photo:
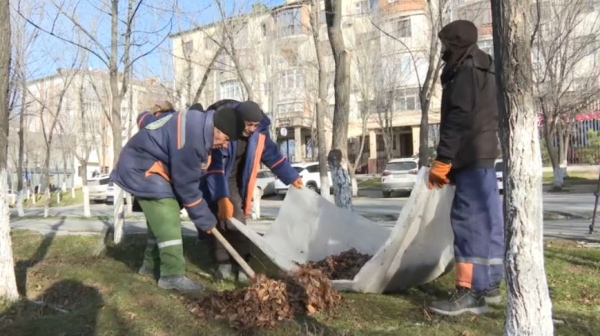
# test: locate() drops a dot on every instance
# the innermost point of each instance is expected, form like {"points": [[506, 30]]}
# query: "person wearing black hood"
{"points": [[466, 156], [231, 178]]}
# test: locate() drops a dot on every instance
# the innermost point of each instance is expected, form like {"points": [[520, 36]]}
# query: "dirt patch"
{"points": [[267, 301], [343, 266]]}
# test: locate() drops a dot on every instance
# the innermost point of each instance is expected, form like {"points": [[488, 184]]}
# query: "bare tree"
{"points": [[51, 102], [8, 283], [566, 55], [321, 103], [338, 157], [529, 310]]}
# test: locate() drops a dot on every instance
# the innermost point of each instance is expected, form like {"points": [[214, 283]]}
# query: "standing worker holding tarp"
{"points": [[161, 167], [230, 180], [465, 157]]}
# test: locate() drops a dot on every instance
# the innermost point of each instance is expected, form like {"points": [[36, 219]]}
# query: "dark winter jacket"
{"points": [[260, 149], [469, 115], [164, 160], [147, 117]]}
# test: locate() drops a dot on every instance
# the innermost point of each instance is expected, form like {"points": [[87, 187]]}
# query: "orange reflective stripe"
{"points": [[255, 165], [159, 169], [179, 131], [214, 172], [464, 274], [278, 163], [193, 204], [142, 119]]}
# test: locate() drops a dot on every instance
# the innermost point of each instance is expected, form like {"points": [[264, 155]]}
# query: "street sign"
{"points": [[283, 132]]}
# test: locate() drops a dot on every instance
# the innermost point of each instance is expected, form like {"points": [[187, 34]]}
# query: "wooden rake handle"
{"points": [[234, 253]]}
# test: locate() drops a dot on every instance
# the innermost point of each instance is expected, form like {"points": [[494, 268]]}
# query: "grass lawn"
{"points": [[87, 295], [574, 178], [370, 183], [65, 199]]}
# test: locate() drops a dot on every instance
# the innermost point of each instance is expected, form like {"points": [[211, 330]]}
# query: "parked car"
{"points": [[500, 175], [98, 188], [309, 172], [265, 182], [399, 175]]}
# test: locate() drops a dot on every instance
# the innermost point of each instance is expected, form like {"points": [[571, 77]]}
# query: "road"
{"points": [[579, 204]]}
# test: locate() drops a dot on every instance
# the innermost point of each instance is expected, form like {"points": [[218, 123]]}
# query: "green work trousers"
{"points": [[165, 246]]}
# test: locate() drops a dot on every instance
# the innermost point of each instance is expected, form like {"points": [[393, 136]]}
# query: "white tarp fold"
{"points": [[417, 250]]}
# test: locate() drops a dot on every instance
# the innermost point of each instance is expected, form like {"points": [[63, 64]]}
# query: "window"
{"points": [[288, 22], [313, 169], [287, 108], [478, 14], [291, 79], [361, 7], [264, 29], [402, 27], [188, 48], [401, 166], [231, 89], [406, 100], [487, 46], [209, 43]]}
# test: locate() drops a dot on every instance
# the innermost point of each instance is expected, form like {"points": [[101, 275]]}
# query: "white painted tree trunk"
{"points": [[529, 309], [118, 215], [64, 187], [559, 177], [255, 214], [128, 205], [325, 187], [354, 187], [28, 194], [34, 200], [86, 202], [20, 210], [57, 198], [47, 203], [8, 282], [342, 185], [73, 193]]}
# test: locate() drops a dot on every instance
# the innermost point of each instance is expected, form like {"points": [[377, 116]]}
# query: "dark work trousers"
{"points": [[239, 242], [478, 226]]}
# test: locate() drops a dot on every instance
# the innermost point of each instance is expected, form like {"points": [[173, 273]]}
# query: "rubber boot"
{"points": [[224, 271]]}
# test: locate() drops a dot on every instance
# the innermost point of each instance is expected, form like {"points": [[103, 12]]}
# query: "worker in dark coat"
{"points": [[161, 166], [231, 178], [466, 156]]}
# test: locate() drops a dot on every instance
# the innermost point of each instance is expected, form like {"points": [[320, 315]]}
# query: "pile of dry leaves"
{"points": [[267, 301], [343, 266]]}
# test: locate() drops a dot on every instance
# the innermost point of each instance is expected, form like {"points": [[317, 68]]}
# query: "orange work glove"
{"points": [[225, 208], [298, 183], [438, 174]]}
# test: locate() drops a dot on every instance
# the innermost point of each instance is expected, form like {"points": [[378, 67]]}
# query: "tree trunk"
{"points": [[321, 102], [46, 179], [20, 188], [207, 75], [63, 187], [85, 190], [529, 310], [8, 283], [338, 157]]}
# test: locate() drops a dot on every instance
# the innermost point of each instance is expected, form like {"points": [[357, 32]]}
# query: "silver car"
{"points": [[400, 175]]}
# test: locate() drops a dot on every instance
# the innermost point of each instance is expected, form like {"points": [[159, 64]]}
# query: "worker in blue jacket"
{"points": [[161, 166], [229, 182]]}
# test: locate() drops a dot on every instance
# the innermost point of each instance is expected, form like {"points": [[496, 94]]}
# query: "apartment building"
{"points": [[80, 102]]}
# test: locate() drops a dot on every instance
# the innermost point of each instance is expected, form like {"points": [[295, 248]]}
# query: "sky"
{"points": [[54, 46]]}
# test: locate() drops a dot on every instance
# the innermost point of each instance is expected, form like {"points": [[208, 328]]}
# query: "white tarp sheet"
{"points": [[417, 250]]}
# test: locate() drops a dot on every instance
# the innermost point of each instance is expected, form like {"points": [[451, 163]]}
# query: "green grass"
{"points": [[104, 296], [574, 178], [65, 199], [370, 183]]}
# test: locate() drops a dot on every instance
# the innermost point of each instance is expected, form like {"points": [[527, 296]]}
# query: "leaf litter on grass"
{"points": [[305, 291]]}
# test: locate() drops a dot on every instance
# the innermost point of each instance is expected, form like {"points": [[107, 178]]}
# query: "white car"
{"points": [[500, 175], [98, 188], [309, 172], [265, 182], [399, 175]]}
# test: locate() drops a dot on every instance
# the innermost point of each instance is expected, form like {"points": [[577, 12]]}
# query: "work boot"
{"points": [[145, 270], [462, 301], [224, 272], [180, 283], [493, 295]]}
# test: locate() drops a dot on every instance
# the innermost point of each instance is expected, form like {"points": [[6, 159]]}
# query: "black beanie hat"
{"points": [[250, 111], [197, 107], [458, 36], [223, 103], [229, 122]]}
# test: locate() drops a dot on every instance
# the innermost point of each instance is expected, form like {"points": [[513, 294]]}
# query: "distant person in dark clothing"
{"points": [[465, 157]]}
